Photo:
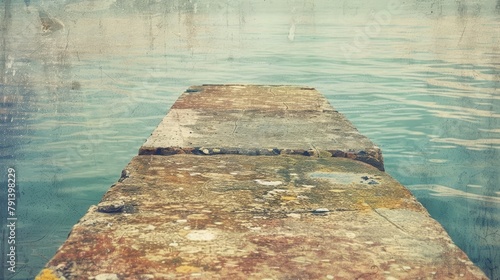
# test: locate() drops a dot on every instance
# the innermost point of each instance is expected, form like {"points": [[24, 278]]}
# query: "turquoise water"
{"points": [[422, 82]]}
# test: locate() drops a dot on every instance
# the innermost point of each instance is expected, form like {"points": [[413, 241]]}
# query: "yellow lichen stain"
{"points": [[389, 203], [363, 206], [187, 269], [288, 197], [47, 274]]}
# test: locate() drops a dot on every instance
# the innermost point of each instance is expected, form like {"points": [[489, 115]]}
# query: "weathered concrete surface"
{"points": [[258, 120], [235, 217]]}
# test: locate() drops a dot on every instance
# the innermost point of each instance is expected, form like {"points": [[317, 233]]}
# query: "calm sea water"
{"points": [[420, 78]]}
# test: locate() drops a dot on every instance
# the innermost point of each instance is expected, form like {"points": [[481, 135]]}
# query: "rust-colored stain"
{"points": [[276, 98], [233, 216], [258, 120], [195, 205]]}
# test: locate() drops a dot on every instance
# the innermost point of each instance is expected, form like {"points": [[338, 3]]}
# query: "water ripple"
{"points": [[444, 191]]}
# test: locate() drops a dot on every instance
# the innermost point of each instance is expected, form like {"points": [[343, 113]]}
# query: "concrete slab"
{"points": [[235, 217], [258, 120]]}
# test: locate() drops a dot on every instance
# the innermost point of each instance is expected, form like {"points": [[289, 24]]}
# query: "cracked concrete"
{"points": [[251, 120], [209, 211], [233, 216]]}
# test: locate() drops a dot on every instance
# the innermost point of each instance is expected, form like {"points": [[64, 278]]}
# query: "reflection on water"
{"points": [[437, 190], [77, 101]]}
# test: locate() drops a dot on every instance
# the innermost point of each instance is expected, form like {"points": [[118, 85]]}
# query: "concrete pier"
{"points": [[257, 182], [258, 120]]}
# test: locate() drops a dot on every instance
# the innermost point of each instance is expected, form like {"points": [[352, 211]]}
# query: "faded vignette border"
{"points": [[18, 98]]}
